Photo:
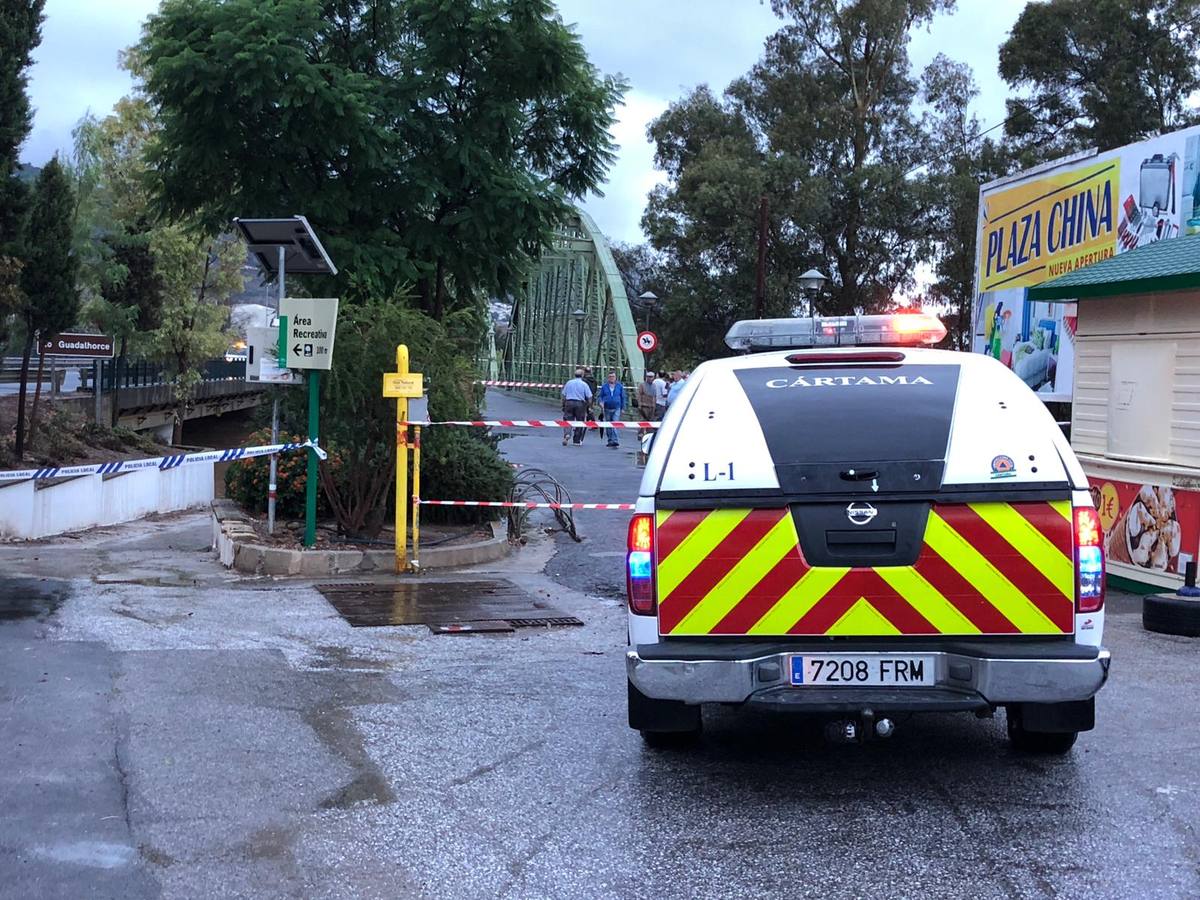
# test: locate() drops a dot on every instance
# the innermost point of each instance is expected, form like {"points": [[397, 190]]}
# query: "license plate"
{"points": [[894, 670]]}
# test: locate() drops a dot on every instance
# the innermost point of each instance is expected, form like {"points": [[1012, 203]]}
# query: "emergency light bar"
{"points": [[892, 329]]}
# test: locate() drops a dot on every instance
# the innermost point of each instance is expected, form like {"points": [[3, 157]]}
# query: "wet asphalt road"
{"points": [[171, 730]]}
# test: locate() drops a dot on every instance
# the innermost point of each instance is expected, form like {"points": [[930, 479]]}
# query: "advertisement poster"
{"points": [[1150, 527], [1062, 217]]}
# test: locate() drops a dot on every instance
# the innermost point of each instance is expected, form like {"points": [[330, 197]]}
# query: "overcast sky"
{"points": [[664, 48]]}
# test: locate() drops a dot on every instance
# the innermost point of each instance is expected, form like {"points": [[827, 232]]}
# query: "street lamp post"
{"points": [[649, 299], [812, 282], [579, 315]]}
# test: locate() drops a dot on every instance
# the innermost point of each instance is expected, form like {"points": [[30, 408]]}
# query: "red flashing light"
{"points": [[914, 323], [639, 568], [1089, 560], [641, 532]]}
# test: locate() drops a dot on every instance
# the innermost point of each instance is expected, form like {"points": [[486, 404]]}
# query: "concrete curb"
{"points": [[234, 541]]}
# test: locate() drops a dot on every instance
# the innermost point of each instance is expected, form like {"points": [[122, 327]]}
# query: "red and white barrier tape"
{"points": [[525, 505], [525, 384], [539, 423]]}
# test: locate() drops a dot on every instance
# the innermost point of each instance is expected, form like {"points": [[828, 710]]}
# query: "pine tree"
{"points": [[51, 302]]}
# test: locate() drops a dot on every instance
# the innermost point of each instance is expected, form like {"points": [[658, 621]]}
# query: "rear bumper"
{"points": [[966, 677]]}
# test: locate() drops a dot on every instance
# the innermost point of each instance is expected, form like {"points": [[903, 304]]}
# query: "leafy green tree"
{"points": [[197, 276], [51, 302], [704, 225], [826, 127], [434, 143], [122, 287], [358, 424], [964, 158], [1101, 73], [20, 34], [641, 270]]}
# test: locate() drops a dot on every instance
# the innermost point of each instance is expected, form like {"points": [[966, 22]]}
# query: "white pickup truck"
{"points": [[863, 529]]}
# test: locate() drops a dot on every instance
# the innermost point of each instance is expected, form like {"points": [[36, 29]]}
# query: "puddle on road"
{"points": [[437, 603], [27, 598]]}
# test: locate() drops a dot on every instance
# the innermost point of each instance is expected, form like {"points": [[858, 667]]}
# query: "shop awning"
{"points": [[1169, 265]]}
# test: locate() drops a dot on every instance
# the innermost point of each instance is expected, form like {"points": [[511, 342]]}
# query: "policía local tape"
{"points": [[538, 423], [159, 462]]}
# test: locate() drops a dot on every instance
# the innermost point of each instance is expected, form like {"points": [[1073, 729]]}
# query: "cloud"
{"points": [[972, 34], [633, 175], [75, 68], [664, 48]]}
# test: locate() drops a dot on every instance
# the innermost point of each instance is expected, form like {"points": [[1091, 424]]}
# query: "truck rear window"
{"points": [[822, 422]]}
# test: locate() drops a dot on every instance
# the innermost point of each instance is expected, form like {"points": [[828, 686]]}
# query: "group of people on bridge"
{"points": [[580, 396]]}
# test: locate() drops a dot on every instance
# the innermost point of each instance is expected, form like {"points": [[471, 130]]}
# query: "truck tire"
{"points": [[1168, 614], [663, 723], [1054, 743]]}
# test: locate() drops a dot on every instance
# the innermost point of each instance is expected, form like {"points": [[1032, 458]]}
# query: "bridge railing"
{"points": [[123, 373]]}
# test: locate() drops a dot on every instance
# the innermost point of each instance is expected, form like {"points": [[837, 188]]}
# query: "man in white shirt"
{"points": [[660, 398]]}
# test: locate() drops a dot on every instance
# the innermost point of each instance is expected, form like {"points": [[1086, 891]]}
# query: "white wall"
{"points": [[92, 500], [1137, 379]]}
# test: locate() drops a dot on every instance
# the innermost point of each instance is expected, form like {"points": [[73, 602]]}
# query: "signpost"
{"points": [[81, 346], [282, 245], [403, 385], [306, 331], [647, 341]]}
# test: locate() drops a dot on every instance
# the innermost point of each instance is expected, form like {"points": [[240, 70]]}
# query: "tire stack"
{"points": [[1171, 614]]}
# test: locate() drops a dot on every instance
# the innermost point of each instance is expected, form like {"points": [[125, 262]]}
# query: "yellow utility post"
{"points": [[402, 385]]}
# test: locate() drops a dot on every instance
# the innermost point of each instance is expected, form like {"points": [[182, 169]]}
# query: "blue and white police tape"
{"points": [[160, 462]]}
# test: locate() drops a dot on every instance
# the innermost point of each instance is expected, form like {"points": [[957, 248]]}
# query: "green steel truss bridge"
{"points": [[571, 309]]}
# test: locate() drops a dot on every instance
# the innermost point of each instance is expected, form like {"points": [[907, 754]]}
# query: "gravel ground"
{"points": [[174, 730]]}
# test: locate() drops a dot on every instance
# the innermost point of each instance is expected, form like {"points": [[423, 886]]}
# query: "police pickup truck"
{"points": [[846, 523]]}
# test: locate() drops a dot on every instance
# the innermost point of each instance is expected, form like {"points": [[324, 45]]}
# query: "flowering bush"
{"points": [[247, 481]]}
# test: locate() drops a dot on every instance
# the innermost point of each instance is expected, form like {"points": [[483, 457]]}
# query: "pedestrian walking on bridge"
{"points": [[576, 400], [612, 402]]}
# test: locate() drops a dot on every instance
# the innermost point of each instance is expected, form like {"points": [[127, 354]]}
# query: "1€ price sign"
{"points": [[306, 330], [647, 341]]}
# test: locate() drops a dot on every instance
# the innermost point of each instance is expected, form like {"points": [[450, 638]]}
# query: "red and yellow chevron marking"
{"points": [[985, 568]]}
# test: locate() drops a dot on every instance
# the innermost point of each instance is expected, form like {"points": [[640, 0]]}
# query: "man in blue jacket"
{"points": [[612, 399]]}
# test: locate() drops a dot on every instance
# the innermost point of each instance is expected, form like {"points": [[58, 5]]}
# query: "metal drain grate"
{"points": [[544, 620], [367, 604]]}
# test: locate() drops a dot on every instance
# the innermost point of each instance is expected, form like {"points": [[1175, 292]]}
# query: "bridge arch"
{"points": [[546, 336]]}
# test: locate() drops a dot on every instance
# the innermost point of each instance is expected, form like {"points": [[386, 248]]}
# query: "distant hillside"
{"points": [[27, 172]]}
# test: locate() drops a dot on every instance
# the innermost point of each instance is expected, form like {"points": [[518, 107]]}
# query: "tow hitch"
{"points": [[865, 728]]}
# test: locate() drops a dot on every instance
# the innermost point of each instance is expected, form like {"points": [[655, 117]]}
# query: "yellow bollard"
{"points": [[403, 384], [416, 500]]}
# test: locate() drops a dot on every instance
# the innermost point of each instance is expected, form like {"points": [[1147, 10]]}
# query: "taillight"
{"points": [[1089, 553], [640, 564]]}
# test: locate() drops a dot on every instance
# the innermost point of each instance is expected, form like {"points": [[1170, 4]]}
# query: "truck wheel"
{"points": [[1168, 614], [1046, 742], [663, 723]]}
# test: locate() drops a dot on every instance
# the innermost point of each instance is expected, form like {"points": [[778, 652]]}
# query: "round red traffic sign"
{"points": [[647, 341]]}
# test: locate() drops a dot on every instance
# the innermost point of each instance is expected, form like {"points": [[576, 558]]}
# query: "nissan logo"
{"points": [[861, 513]]}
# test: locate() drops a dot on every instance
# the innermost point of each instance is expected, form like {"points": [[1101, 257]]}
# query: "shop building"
{"points": [[1135, 421]]}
